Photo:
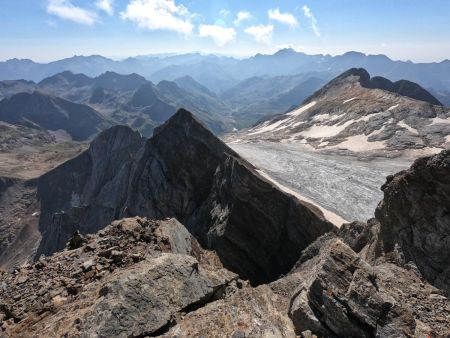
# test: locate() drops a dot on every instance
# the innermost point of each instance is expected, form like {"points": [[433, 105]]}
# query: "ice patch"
{"points": [[438, 120], [300, 110], [317, 131], [349, 100], [321, 117], [404, 125], [298, 123], [376, 132], [267, 128], [393, 107]]}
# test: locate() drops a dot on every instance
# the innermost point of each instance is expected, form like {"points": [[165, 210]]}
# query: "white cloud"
{"points": [[261, 33], [106, 6], [241, 16], [220, 35], [312, 19], [66, 10], [383, 44], [286, 18], [159, 15]]}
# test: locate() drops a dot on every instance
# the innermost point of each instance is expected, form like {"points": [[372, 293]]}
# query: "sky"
{"points": [[46, 30]]}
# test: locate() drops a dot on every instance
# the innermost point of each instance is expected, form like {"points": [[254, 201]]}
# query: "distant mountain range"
{"points": [[133, 100], [219, 74]]}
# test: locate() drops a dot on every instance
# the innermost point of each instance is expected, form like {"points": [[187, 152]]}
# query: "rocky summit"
{"points": [[355, 114], [139, 277], [183, 171]]}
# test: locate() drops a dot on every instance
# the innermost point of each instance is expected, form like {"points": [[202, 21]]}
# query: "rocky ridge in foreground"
{"points": [[139, 277], [135, 220]]}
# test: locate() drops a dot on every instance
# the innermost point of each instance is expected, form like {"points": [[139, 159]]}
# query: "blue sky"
{"points": [[45, 30]]}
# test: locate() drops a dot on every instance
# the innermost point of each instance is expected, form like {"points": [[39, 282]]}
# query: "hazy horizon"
{"points": [[168, 54], [46, 30]]}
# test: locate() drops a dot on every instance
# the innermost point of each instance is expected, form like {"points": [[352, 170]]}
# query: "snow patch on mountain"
{"points": [[404, 125], [302, 109], [317, 131], [349, 100]]}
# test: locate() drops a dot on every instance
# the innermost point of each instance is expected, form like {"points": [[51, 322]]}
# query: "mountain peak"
{"points": [[354, 54], [285, 51], [182, 119], [364, 76]]}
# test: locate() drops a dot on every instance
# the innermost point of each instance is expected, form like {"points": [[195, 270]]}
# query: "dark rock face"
{"points": [[414, 217], [69, 194], [38, 110], [183, 171]]}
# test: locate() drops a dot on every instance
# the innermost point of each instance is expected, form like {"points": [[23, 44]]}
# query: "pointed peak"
{"points": [[285, 51], [184, 121], [183, 117]]}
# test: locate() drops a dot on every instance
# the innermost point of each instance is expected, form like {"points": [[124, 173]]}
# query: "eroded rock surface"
{"points": [[335, 292], [247, 313]]}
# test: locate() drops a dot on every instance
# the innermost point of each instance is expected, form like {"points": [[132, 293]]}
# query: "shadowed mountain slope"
{"points": [[38, 110]]}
